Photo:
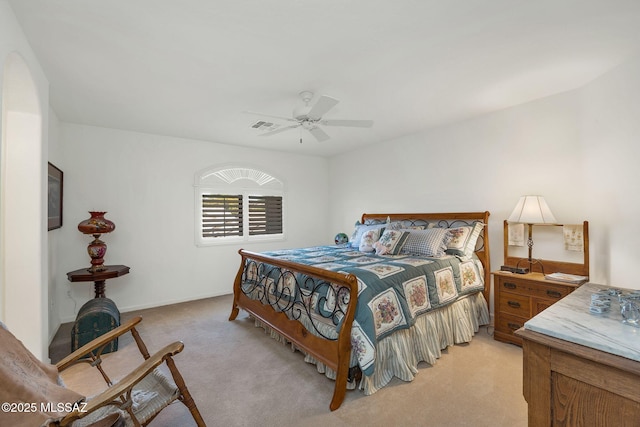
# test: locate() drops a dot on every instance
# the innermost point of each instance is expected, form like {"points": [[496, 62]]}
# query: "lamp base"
{"points": [[97, 249]]}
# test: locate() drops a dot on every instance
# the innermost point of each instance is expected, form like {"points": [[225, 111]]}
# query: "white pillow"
{"points": [[367, 240], [360, 230]]}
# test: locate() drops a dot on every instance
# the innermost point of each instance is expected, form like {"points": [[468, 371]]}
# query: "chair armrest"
{"points": [[97, 343], [125, 384]]}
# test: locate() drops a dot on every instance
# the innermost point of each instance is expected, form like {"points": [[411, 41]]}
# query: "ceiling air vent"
{"points": [[265, 126]]}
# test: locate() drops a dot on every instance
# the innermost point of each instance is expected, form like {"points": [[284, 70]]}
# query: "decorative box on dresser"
{"points": [[581, 369], [519, 297]]}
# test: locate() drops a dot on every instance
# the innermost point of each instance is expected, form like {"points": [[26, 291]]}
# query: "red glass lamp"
{"points": [[97, 225]]}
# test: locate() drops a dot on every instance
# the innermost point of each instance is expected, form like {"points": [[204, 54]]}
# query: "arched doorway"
{"points": [[23, 290]]}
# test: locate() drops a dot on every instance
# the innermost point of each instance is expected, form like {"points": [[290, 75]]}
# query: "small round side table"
{"points": [[98, 278]]}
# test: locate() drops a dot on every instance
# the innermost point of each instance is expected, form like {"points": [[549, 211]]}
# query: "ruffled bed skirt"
{"points": [[398, 354]]}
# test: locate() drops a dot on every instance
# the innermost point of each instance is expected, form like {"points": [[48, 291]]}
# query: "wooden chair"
{"points": [[137, 397]]}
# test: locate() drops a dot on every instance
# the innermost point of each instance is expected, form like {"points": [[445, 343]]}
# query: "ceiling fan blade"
{"points": [[324, 104], [289, 119], [319, 134], [282, 129], [351, 123]]}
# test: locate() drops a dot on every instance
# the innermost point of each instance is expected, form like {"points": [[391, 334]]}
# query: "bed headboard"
{"points": [[448, 220]]}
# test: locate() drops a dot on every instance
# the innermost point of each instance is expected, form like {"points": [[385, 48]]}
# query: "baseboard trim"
{"points": [[129, 308]]}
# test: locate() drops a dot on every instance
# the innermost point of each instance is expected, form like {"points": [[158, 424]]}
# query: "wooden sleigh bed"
{"points": [[310, 296]]}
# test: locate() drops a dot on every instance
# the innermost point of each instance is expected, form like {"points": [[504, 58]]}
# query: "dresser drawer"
{"points": [[508, 324], [517, 305], [537, 289], [552, 292]]}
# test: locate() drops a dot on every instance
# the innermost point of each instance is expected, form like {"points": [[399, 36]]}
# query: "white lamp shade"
{"points": [[532, 210]]}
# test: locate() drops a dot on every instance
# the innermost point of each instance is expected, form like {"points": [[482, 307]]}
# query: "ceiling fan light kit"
{"points": [[309, 117], [302, 111]]}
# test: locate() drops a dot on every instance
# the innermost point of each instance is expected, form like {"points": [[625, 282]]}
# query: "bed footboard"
{"points": [[304, 304]]}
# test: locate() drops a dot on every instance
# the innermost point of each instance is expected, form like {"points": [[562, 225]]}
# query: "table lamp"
{"points": [[96, 225], [532, 210]]}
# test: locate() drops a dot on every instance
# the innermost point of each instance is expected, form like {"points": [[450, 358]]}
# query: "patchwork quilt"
{"points": [[393, 290]]}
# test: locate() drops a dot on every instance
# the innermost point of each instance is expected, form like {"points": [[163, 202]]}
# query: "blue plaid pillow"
{"points": [[431, 242]]}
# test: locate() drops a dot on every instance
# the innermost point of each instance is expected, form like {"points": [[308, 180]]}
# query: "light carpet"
{"points": [[239, 376]]}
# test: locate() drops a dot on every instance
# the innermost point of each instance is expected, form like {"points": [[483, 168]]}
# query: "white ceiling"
{"points": [[189, 68]]}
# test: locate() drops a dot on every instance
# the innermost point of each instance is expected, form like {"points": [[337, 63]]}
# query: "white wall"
{"points": [[145, 183], [53, 236], [23, 235], [610, 139], [578, 149]]}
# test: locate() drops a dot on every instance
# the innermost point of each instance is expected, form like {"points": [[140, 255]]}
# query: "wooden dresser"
{"points": [[581, 369], [519, 297]]}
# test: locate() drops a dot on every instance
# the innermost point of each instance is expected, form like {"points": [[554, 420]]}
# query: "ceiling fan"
{"points": [[309, 117]]}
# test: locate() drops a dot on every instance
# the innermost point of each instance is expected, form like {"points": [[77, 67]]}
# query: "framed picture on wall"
{"points": [[55, 197]]}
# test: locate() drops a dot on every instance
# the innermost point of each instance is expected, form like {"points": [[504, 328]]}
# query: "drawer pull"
{"points": [[513, 326], [509, 285], [514, 304], [554, 294]]}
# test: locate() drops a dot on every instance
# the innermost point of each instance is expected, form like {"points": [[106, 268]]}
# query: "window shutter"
{"points": [[265, 215], [221, 215]]}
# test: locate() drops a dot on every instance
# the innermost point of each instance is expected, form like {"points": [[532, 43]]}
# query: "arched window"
{"points": [[238, 204]]}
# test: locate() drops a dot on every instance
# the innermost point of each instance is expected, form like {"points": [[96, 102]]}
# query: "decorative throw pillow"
{"points": [[355, 232], [463, 240], [391, 242], [431, 242], [414, 227], [396, 225], [360, 229], [414, 224], [367, 240]]}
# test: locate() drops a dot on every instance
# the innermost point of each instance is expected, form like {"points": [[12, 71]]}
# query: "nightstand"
{"points": [[519, 297]]}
